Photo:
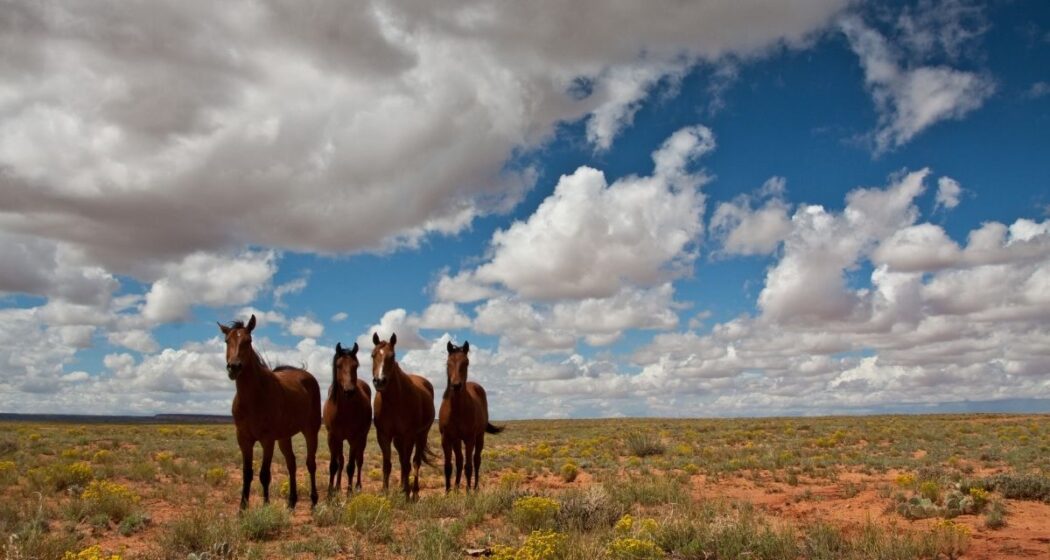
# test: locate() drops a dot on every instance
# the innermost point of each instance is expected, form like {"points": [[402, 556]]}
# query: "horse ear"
{"points": [[393, 339], [353, 351], [466, 346], [450, 347], [338, 348], [223, 328], [375, 338], [251, 323]]}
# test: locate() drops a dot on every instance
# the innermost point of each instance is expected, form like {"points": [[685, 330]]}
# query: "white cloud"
{"points": [[590, 238], [290, 287], [136, 339], [103, 149], [910, 99], [305, 327], [207, 279], [808, 283], [464, 287], [340, 317], [443, 315], [948, 191], [746, 230]]}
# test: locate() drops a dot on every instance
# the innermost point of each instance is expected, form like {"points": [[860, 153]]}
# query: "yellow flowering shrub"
{"points": [[625, 525], [534, 512], [905, 480], [539, 545], [630, 548], [8, 472], [102, 456], [569, 471], [950, 539], [109, 498], [215, 476], [511, 479], [369, 513], [90, 553]]}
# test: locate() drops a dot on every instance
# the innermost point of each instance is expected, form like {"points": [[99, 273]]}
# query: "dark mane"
{"points": [[237, 325], [334, 360], [284, 367]]}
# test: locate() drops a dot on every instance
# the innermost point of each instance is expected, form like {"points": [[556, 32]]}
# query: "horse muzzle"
{"points": [[379, 384], [232, 370], [457, 386]]}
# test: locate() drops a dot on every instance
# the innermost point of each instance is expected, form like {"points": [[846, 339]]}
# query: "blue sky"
{"points": [[854, 219]]}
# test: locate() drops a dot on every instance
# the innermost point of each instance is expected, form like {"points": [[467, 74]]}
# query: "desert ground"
{"points": [[893, 487]]}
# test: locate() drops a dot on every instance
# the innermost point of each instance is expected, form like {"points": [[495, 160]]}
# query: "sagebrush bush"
{"points": [[215, 476], [199, 533], [8, 473], [588, 509], [641, 444]]}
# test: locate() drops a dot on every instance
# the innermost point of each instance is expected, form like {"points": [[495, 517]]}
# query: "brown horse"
{"points": [[404, 413], [271, 406], [347, 416], [464, 418]]}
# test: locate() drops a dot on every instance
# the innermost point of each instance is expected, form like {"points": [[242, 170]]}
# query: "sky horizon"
{"points": [[748, 209]]}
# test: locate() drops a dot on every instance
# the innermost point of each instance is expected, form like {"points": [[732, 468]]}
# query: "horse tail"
{"points": [[428, 455], [490, 429]]}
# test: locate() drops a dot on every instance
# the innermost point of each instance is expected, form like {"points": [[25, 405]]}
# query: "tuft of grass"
{"points": [[265, 523], [201, 533], [642, 444], [995, 517]]}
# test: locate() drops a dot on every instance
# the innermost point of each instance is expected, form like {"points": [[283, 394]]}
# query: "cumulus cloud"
{"points": [[590, 238], [910, 98], [948, 191], [443, 315], [207, 279], [744, 229], [103, 149], [305, 327], [809, 283]]}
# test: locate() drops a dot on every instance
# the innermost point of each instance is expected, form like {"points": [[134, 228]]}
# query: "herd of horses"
{"points": [[272, 406]]}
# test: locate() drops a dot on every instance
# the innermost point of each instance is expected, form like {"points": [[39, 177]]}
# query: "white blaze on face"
{"points": [[377, 364]]}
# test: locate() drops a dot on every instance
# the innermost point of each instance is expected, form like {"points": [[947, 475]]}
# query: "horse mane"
{"points": [[237, 325], [335, 359]]}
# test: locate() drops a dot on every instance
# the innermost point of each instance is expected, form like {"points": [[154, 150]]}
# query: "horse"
{"points": [[463, 419], [347, 416], [271, 406], [404, 413]]}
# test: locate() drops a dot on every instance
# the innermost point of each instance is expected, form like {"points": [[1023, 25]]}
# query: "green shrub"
{"points": [[569, 471], [112, 500]]}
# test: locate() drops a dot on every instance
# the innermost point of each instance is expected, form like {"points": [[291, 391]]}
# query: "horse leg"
{"points": [[404, 456], [335, 465], [469, 443], [264, 469], [417, 461], [247, 449], [289, 460], [384, 447], [446, 448], [311, 461], [457, 448], [359, 454], [478, 446], [351, 457]]}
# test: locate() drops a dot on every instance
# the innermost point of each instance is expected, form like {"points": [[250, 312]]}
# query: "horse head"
{"points": [[382, 360], [344, 368], [238, 345], [457, 365]]}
